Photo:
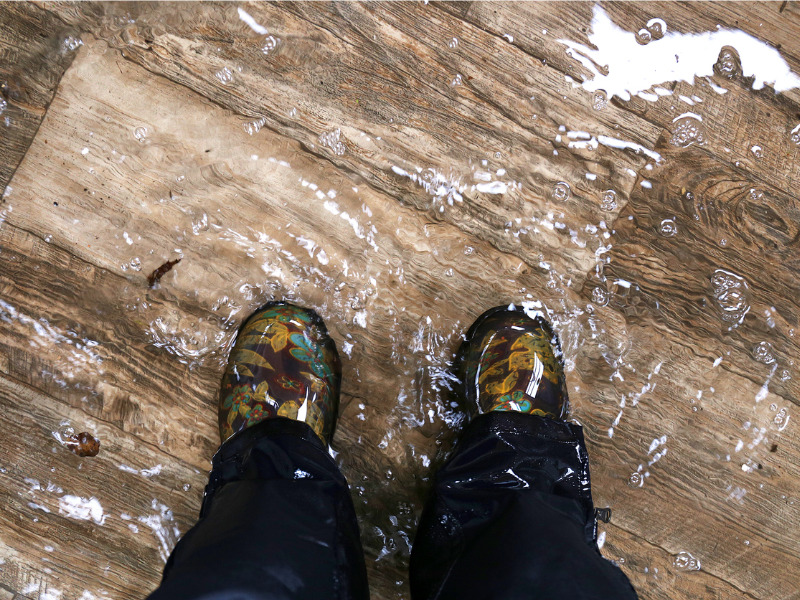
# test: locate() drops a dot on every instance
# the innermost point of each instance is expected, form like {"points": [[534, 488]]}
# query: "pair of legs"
{"points": [[510, 514]]}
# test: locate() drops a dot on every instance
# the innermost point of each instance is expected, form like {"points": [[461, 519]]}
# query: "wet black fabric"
{"points": [[277, 522], [510, 516]]}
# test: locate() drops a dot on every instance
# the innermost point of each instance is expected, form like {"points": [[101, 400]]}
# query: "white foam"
{"points": [[622, 67]]}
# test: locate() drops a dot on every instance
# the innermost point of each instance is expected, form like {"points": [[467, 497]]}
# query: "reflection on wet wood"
{"points": [[333, 162]]}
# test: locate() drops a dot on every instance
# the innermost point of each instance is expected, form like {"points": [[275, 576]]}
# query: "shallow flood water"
{"points": [[401, 168]]}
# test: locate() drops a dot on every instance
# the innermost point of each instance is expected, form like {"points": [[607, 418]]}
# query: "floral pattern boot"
{"points": [[284, 364], [513, 362]]}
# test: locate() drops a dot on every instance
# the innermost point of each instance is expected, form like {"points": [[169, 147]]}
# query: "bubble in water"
{"points": [[609, 200], [456, 80], [728, 65], [140, 133], [794, 135], [732, 296], [686, 131], [332, 140], [562, 191], [636, 480], [657, 28], [686, 562], [762, 352], [71, 43], [781, 420], [600, 296], [757, 151], [599, 100], [668, 227], [270, 43], [3, 105], [643, 36], [187, 487], [136, 264], [253, 127], [225, 75], [200, 224], [453, 44]]}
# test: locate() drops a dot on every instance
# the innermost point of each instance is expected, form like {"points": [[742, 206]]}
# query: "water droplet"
{"points": [[225, 75], [757, 151], [609, 200], [657, 28], [453, 44], [468, 250], [762, 352], [728, 65], [732, 296], [636, 480], [332, 140], [270, 43], [599, 100], [140, 133], [686, 131], [3, 105], [562, 191], [187, 487], [668, 227], [686, 562], [456, 80], [136, 264], [600, 296], [643, 36]]}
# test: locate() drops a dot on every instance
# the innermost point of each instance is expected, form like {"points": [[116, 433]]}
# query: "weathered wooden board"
{"points": [[174, 134], [35, 48]]}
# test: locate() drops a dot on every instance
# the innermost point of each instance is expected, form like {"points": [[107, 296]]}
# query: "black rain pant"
{"points": [[510, 516]]}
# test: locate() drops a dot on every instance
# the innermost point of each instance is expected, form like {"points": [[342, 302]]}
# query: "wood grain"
{"points": [[34, 53], [438, 202]]}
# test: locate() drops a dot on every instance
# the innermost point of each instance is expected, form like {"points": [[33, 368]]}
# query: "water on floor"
{"points": [[644, 220]]}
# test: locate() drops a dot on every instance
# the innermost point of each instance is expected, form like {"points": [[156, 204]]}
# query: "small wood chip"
{"points": [[156, 275]]}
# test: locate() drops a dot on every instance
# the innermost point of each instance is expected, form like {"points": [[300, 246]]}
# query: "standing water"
{"points": [[401, 169]]}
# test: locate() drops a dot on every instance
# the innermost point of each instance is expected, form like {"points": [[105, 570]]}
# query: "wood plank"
{"points": [[69, 524], [35, 49], [398, 128]]}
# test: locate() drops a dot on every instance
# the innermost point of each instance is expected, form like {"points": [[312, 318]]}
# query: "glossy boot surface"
{"points": [[283, 364], [513, 362]]}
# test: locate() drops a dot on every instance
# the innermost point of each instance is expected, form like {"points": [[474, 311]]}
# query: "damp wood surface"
{"points": [[330, 161]]}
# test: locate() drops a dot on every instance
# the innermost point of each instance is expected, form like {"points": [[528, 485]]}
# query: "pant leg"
{"points": [[511, 516], [277, 522]]}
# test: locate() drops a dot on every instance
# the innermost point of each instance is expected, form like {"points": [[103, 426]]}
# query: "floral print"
{"points": [[512, 362], [284, 364]]}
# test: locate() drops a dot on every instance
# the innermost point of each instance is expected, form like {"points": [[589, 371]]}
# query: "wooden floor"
{"points": [[400, 167]]}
